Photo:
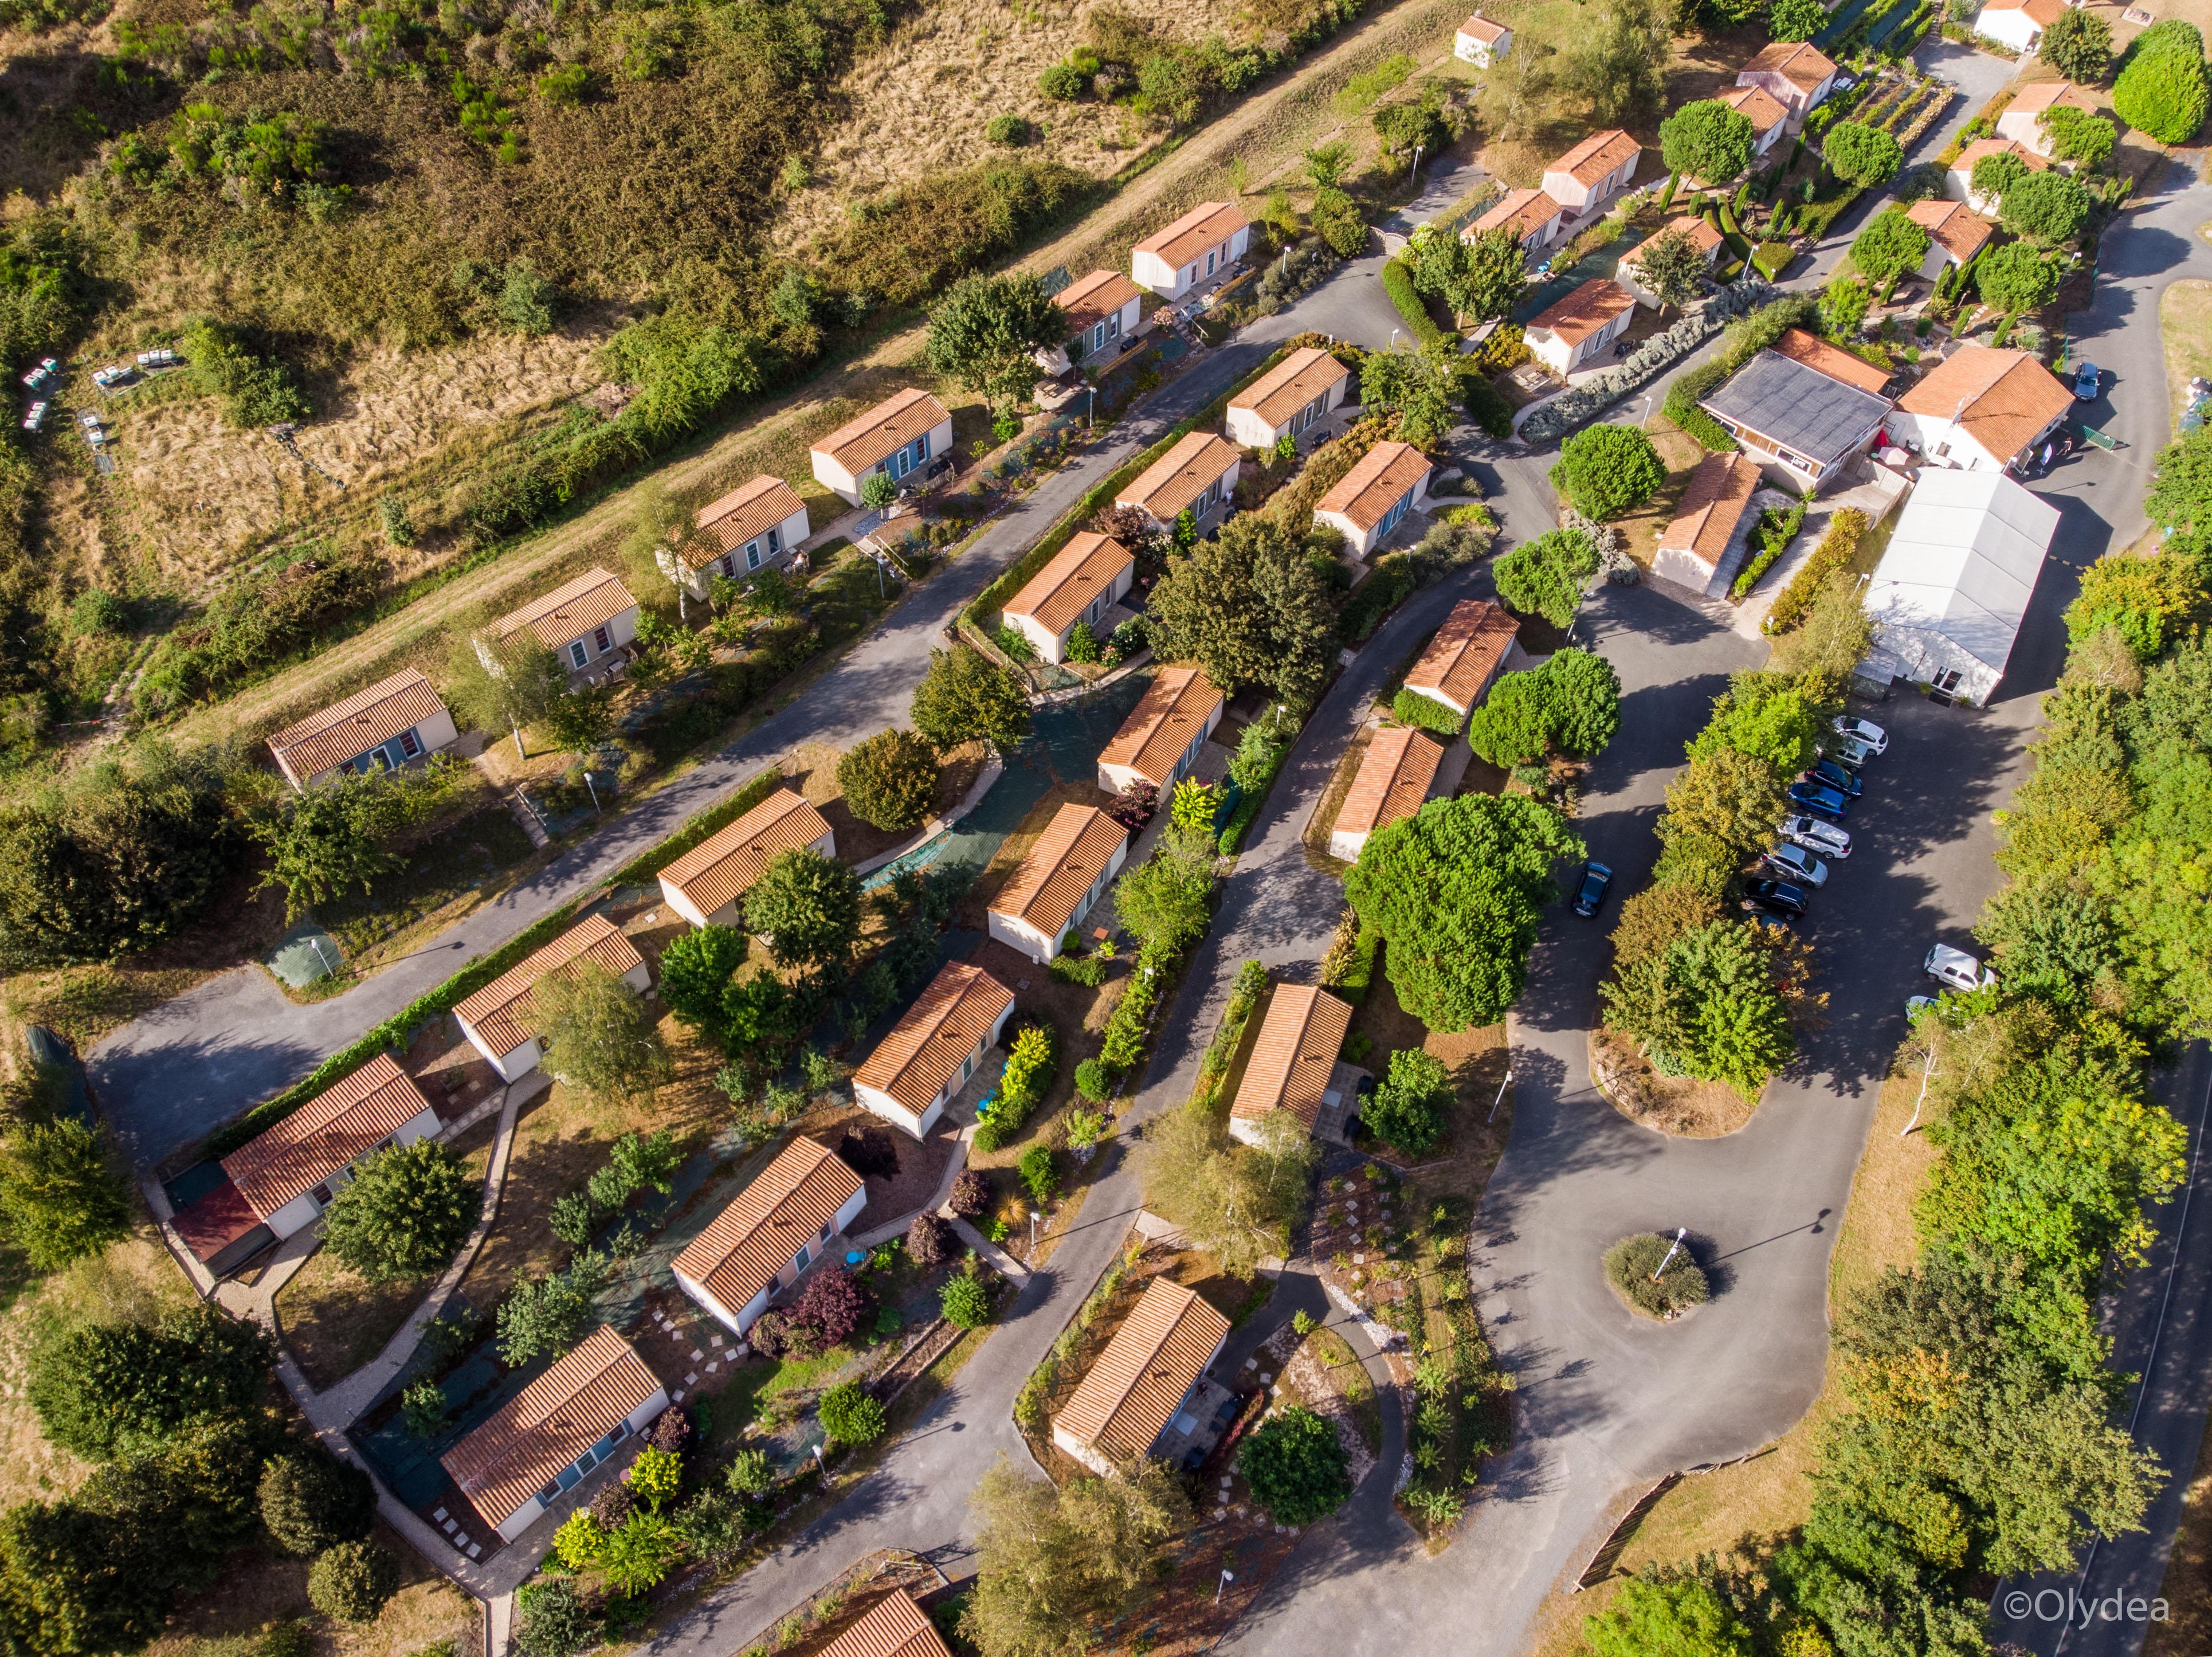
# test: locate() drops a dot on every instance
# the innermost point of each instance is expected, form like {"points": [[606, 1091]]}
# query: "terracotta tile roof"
{"points": [[500, 1012], [762, 1229], [891, 425], [751, 509], [2040, 95], [329, 1132], [726, 864], [1523, 212], [590, 1391], [894, 1626], [1207, 225], [1087, 566], [2004, 399], [571, 610], [924, 1049], [345, 730], [1292, 1061], [1596, 156], [1291, 384], [1586, 310], [1756, 105], [1953, 226], [1370, 489], [1481, 28], [1393, 780], [1465, 652], [1067, 859], [1964, 166], [1703, 236], [1132, 1393], [1181, 476], [1094, 298], [1718, 495], [1798, 62], [1823, 357], [2045, 12], [1175, 708]]}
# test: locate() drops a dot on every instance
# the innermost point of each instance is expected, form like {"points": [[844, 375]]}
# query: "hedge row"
{"points": [[1833, 554], [1398, 283]]}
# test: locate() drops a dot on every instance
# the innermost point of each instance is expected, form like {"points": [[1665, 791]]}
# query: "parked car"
{"points": [[1590, 892], [2087, 381], [1915, 1005], [1818, 802], [1956, 968], [1814, 835], [1847, 751], [1863, 730], [1795, 863], [1829, 774], [1777, 924], [1778, 897]]}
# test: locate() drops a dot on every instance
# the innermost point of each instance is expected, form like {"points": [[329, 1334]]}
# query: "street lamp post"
{"points": [[1680, 1232], [1500, 1099], [1414, 170], [1227, 1577]]}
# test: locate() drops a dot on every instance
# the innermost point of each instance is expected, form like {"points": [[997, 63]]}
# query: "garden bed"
{"points": [[1681, 1106]]}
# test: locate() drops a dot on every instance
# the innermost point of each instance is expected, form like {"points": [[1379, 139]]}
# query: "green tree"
{"points": [[2076, 135], [1456, 890], [60, 1200], [512, 681], [639, 1552], [1238, 1202], [1166, 900], [1480, 277], [1707, 1005], [338, 834], [2162, 89], [1835, 635], [546, 1314], [636, 1162], [1421, 387], [1796, 20], [310, 1501], [1844, 306], [695, 970], [984, 332], [2180, 496], [2045, 208], [1727, 796], [1888, 246], [1670, 266], [1615, 61], [1545, 576], [73, 1583], [403, 1212], [808, 907], [1295, 1464], [1707, 141], [1996, 173], [2078, 43], [1408, 1109], [1607, 470], [1661, 1616], [1414, 123], [2150, 600], [1514, 724], [2015, 278], [599, 1034], [850, 1416], [1862, 155], [967, 697], [1326, 164], [1249, 608], [1338, 222], [115, 1389], [353, 1581], [890, 779], [1585, 694], [1767, 716]]}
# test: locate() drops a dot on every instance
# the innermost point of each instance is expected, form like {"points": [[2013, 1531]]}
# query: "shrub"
{"points": [[1607, 470], [965, 1303], [1398, 283], [1682, 405], [353, 1581], [890, 780], [750, 1474], [928, 1241], [1631, 1263], [1011, 130], [2161, 90], [870, 1151], [1296, 1466], [970, 1194], [654, 1476], [1408, 1110], [579, 1541], [1487, 406], [1337, 221], [310, 1501], [1038, 1175], [403, 1212], [1093, 1080], [831, 1305], [1832, 554], [550, 1619], [1411, 708], [1064, 82], [849, 1416]]}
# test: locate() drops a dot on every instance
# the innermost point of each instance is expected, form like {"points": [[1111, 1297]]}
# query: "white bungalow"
{"points": [[1194, 250], [1372, 499], [789, 1216], [707, 884], [1066, 872], [288, 1174], [396, 722], [1084, 580], [1291, 398], [758, 524], [921, 1067], [898, 437], [1158, 742], [1481, 42], [500, 1021], [1101, 311], [584, 622]]}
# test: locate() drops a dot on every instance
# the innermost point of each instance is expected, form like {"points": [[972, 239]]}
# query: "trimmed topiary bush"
{"points": [[1094, 1080], [1630, 1263]]}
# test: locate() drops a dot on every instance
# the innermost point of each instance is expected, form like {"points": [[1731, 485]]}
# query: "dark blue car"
{"points": [[1818, 801], [1829, 774], [1591, 891]]}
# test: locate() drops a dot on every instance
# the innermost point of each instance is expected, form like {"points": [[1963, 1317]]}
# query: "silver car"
{"points": [[1863, 730], [1850, 750], [1813, 834], [1956, 969], [1794, 862]]}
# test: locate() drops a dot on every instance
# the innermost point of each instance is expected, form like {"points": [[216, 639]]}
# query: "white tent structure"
{"points": [[1952, 588]]}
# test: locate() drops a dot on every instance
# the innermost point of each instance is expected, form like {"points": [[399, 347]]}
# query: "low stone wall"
{"points": [[1575, 407]]}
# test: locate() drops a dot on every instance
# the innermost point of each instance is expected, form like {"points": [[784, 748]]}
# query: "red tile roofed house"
{"points": [[2023, 120], [755, 524], [1533, 217], [579, 621], [1198, 247], [1794, 73], [923, 1064], [1768, 115], [707, 884], [1824, 358], [499, 1020], [1159, 741], [1391, 784], [893, 1627], [1566, 335], [1982, 409], [1703, 237], [1466, 657], [395, 722], [1101, 311], [1955, 234], [1593, 173], [1712, 521], [542, 1441], [1132, 1393], [1066, 871], [1959, 181], [2017, 23], [1196, 475], [898, 437], [1084, 581], [289, 1173], [1292, 1061], [1373, 498], [1481, 42], [787, 1217], [1288, 399]]}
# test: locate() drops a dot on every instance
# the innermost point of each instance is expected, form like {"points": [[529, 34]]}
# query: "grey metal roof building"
{"points": [[1780, 409]]}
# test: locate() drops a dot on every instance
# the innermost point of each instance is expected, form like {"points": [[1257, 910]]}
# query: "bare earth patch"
{"points": [[1670, 1104]]}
